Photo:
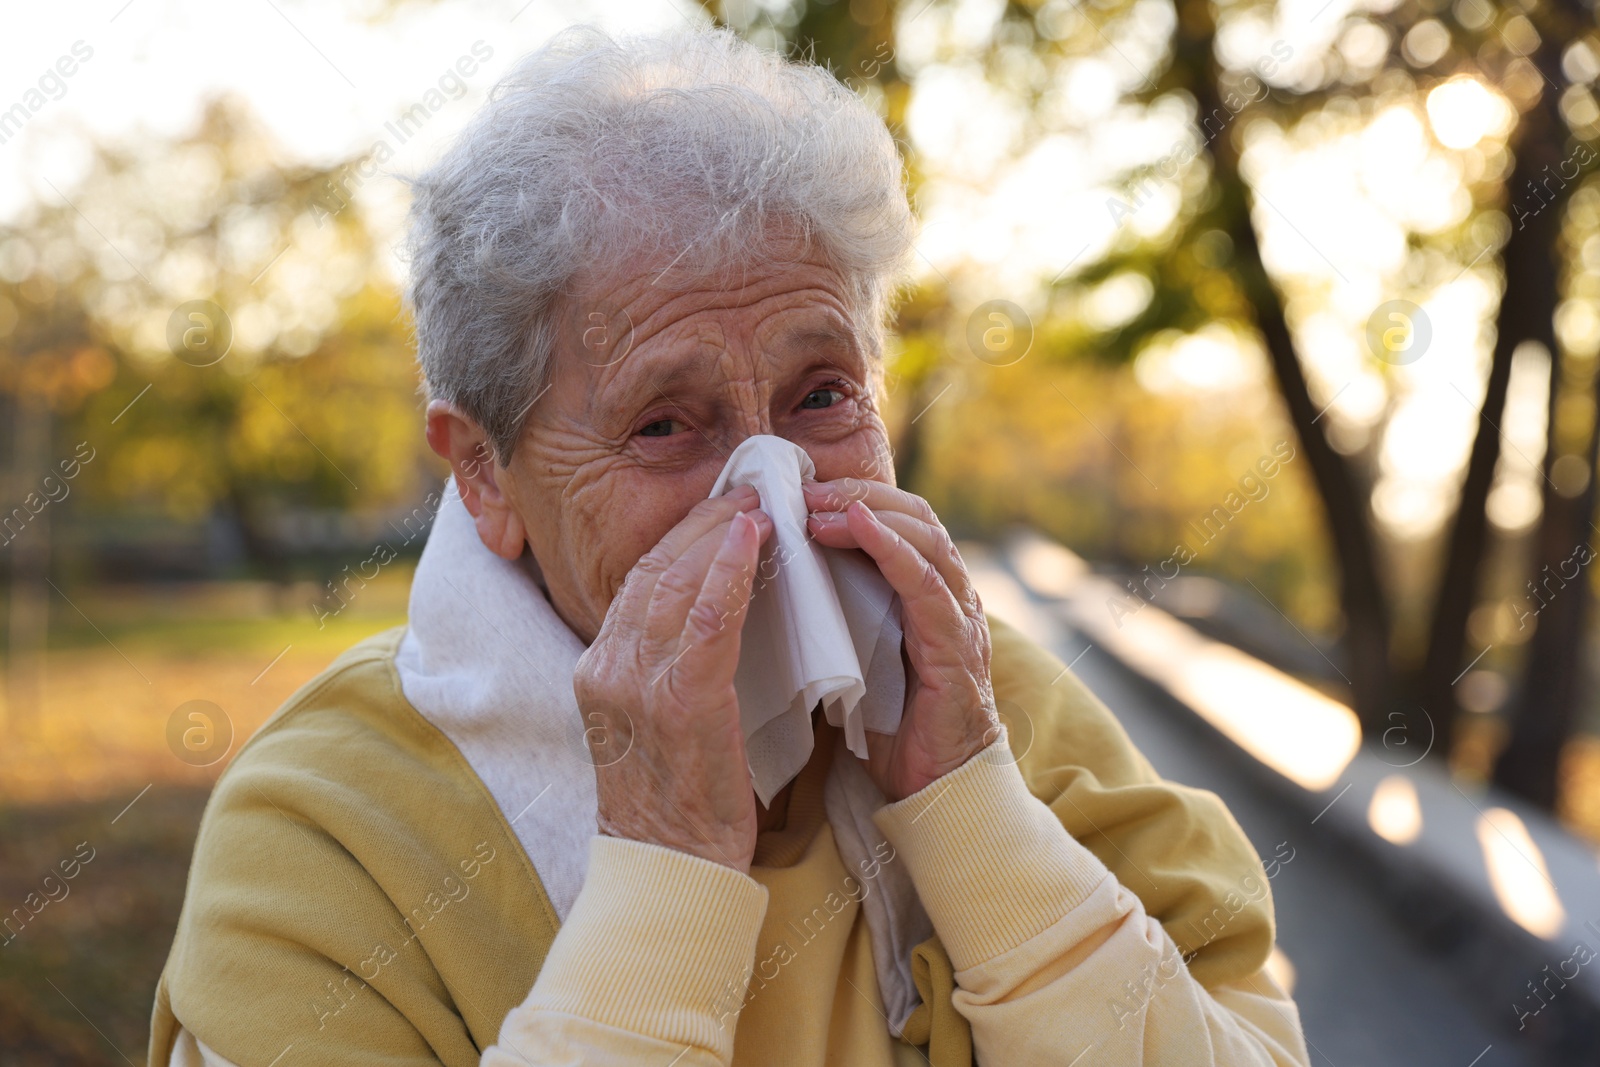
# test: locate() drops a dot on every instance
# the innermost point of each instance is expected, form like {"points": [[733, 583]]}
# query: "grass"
{"points": [[78, 979]]}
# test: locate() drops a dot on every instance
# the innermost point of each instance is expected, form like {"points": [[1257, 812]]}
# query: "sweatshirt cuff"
{"points": [[655, 941], [992, 864]]}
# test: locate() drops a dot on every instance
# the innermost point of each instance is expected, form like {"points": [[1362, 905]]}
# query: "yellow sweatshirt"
{"points": [[1083, 908]]}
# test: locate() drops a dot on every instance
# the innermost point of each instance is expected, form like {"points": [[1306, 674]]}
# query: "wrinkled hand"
{"points": [[950, 711], [655, 688]]}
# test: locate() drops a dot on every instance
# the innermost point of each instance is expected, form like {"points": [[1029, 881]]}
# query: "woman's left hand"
{"points": [[950, 711]]}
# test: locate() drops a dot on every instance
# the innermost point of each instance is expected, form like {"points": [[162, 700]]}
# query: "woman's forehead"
{"points": [[659, 336]]}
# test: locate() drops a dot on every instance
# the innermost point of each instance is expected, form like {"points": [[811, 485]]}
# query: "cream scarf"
{"points": [[487, 660]]}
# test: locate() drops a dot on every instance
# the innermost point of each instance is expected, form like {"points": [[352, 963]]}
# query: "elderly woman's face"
{"points": [[612, 457]]}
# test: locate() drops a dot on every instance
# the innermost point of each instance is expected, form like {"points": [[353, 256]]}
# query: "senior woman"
{"points": [[522, 829]]}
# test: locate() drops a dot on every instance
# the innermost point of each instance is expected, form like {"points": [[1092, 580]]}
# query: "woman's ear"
{"points": [[482, 482]]}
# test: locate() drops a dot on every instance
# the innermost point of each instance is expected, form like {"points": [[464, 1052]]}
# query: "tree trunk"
{"points": [[1554, 675], [1526, 313], [909, 447], [1554, 672], [1366, 616], [264, 553], [28, 615]]}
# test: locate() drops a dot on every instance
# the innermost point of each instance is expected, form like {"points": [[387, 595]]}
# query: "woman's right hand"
{"points": [[655, 688]]}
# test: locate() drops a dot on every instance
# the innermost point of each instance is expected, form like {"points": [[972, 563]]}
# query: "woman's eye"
{"points": [[822, 398], [660, 428]]}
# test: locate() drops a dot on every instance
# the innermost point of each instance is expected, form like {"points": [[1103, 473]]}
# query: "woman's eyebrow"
{"points": [[683, 376], [689, 373], [836, 345], [834, 337]]}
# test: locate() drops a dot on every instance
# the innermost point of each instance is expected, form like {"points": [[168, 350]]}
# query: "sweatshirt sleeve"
{"points": [[639, 972], [1053, 956]]}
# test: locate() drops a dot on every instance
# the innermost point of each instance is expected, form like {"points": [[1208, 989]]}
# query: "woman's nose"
{"points": [[745, 426]]}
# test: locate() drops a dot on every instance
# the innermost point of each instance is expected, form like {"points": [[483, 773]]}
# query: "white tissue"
{"points": [[823, 625]]}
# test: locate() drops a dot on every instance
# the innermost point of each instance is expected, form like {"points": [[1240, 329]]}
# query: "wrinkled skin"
{"points": [[607, 487]]}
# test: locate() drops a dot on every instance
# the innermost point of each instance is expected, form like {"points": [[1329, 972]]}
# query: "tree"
{"points": [[1531, 259], [254, 355], [1553, 678]]}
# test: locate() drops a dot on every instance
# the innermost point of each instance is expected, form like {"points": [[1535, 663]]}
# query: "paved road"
{"points": [[1369, 994]]}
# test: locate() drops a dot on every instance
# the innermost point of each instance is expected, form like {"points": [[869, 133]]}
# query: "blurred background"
{"points": [[1252, 350]]}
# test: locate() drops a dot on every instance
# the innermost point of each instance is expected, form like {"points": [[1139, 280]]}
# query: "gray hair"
{"points": [[595, 152]]}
